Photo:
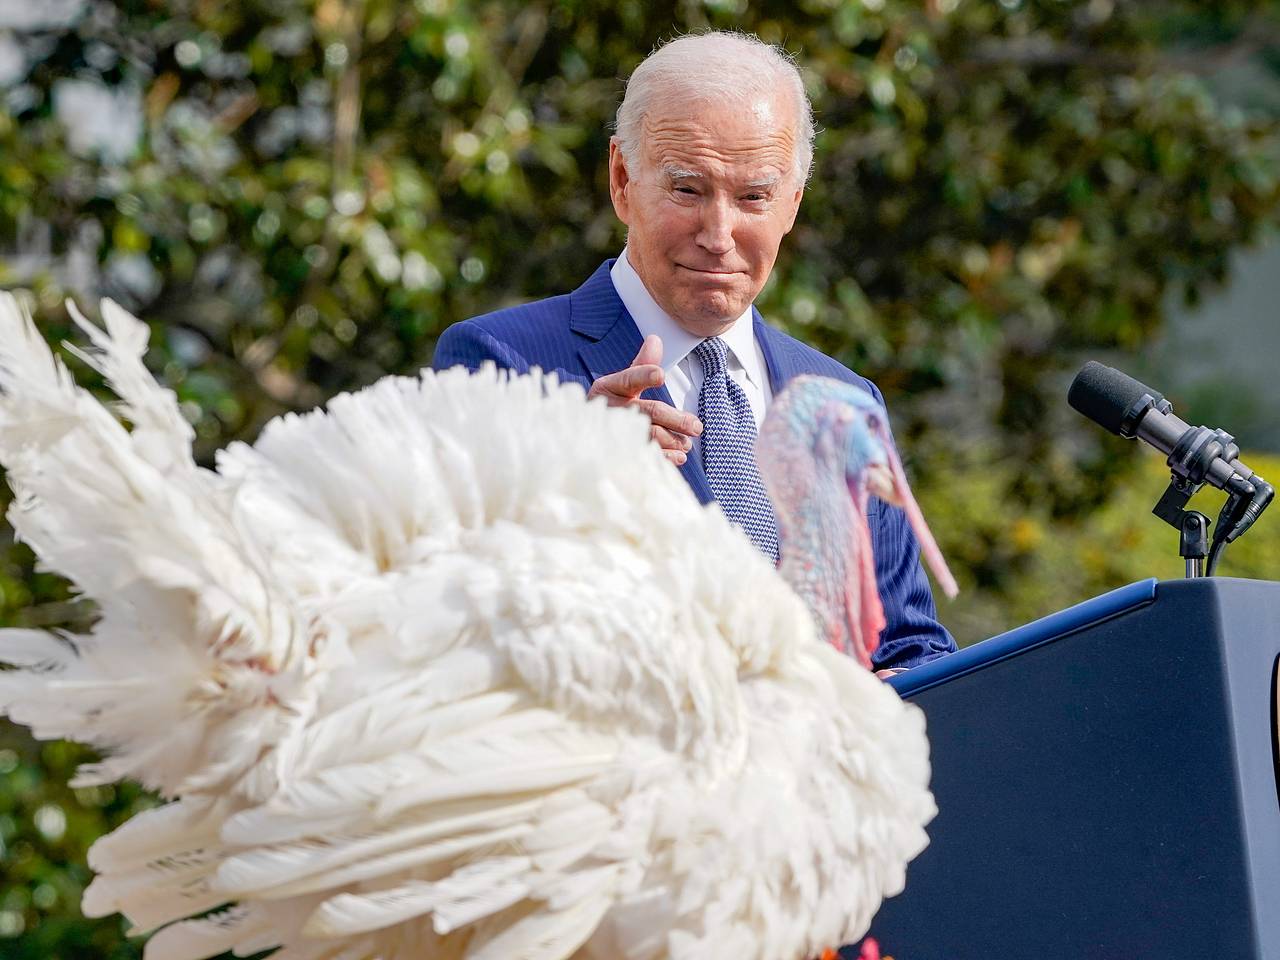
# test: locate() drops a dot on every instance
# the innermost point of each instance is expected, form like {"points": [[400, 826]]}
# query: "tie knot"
{"points": [[712, 354]]}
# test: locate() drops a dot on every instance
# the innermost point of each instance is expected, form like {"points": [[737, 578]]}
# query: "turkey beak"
{"points": [[881, 482]]}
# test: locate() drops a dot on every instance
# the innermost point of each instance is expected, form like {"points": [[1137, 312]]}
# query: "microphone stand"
{"points": [[1192, 525], [1246, 499]]}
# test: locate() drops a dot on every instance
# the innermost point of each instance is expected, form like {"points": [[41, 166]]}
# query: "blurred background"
{"points": [[300, 195]]}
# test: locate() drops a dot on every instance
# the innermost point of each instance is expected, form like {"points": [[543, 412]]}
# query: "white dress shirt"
{"points": [[683, 370]]}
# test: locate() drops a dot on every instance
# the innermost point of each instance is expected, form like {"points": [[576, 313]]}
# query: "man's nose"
{"points": [[715, 234]]}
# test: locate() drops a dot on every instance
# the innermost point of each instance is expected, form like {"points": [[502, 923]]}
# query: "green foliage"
{"points": [[323, 186], [319, 187], [1043, 564], [45, 829]]}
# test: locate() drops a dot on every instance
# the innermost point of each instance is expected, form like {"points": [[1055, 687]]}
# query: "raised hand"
{"points": [[671, 429]]}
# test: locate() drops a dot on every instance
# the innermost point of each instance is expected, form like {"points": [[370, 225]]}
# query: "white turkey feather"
{"points": [[158, 545], [160, 434], [155, 833], [426, 680], [545, 934]]}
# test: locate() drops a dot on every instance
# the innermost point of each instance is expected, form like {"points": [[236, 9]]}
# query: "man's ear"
{"points": [[618, 181], [795, 207]]}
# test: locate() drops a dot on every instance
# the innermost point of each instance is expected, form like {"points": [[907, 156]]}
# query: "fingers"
{"points": [[650, 352], [666, 416], [675, 446], [644, 373], [668, 440], [626, 385], [670, 429]]}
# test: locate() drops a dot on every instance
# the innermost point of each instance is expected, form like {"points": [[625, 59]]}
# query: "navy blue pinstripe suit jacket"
{"points": [[588, 333]]}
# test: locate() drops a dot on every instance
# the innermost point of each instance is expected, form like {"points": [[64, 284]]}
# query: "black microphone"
{"points": [[1128, 407]]}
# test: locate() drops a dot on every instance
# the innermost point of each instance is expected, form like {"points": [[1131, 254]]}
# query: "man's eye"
{"points": [[755, 197], [687, 191]]}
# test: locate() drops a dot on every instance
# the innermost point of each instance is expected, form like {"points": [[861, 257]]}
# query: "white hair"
{"points": [[715, 67]]}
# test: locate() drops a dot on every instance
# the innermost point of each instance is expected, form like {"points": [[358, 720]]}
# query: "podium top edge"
{"points": [[1034, 634]]}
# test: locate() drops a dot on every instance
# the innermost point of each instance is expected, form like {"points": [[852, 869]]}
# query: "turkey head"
{"points": [[825, 449]]}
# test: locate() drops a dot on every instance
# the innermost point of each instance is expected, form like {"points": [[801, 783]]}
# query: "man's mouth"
{"points": [[712, 272]]}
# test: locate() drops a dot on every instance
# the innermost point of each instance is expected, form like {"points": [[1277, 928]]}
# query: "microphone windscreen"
{"points": [[1105, 395]]}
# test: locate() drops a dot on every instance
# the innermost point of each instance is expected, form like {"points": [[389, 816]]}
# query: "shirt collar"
{"points": [[678, 343], [741, 341]]}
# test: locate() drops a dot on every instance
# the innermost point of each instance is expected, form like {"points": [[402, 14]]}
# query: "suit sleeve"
{"points": [[913, 634], [467, 344]]}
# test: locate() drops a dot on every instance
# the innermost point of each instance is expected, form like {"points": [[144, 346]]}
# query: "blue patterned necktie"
{"points": [[728, 441]]}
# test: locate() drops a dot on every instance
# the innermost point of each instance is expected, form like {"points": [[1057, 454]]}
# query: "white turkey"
{"points": [[457, 667]]}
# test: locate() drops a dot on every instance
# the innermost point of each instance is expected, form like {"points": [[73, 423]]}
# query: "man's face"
{"points": [[714, 193]]}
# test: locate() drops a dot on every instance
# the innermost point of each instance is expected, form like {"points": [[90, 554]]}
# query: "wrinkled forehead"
{"points": [[752, 138]]}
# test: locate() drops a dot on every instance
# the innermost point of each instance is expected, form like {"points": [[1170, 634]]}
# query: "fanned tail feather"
{"points": [[198, 660], [40, 400], [160, 434]]}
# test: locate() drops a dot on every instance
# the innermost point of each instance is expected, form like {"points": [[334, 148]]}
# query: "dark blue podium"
{"points": [[1106, 782]]}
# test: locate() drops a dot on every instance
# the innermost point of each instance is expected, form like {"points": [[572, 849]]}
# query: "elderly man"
{"points": [[713, 145]]}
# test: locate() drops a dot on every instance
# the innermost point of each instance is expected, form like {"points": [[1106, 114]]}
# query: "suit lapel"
{"points": [[695, 476], [608, 338], [609, 341], [780, 359]]}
